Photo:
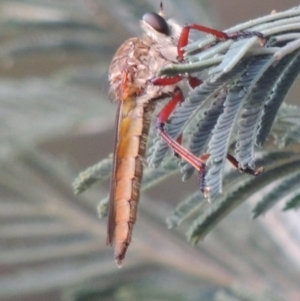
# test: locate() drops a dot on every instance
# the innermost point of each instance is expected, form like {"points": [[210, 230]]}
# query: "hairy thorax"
{"points": [[138, 61]]}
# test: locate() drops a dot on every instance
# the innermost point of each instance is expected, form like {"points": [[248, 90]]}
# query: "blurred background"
{"points": [[56, 120]]}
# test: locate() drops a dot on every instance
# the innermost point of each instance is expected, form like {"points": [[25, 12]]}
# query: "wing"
{"points": [[111, 210]]}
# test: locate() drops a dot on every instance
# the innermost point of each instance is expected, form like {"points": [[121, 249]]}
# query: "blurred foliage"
{"points": [[55, 120]]}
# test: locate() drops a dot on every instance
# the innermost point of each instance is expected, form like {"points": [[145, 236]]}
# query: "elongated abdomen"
{"points": [[132, 133]]}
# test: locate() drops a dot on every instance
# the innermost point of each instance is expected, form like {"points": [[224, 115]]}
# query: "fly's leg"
{"points": [[175, 145], [173, 80], [248, 170], [178, 97], [234, 162], [184, 36]]}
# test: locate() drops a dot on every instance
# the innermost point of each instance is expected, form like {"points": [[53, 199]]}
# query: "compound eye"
{"points": [[157, 22]]}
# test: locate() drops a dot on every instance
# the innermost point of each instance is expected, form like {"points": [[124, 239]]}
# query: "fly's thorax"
{"points": [[138, 60]]}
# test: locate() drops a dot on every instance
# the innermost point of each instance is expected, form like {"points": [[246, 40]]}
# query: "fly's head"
{"points": [[163, 37], [159, 29]]}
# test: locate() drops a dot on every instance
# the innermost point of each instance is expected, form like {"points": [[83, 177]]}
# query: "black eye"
{"points": [[157, 22]]}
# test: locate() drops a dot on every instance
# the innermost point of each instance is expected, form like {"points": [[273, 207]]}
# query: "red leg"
{"points": [[248, 170], [170, 106], [162, 118], [166, 81], [177, 97], [196, 162], [194, 81], [184, 36], [204, 157]]}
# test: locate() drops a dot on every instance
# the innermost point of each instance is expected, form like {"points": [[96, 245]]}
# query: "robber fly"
{"points": [[133, 78]]}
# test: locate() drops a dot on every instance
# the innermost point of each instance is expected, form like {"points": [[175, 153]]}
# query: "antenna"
{"points": [[161, 9]]}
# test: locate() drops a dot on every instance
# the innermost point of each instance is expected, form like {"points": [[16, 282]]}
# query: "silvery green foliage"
{"points": [[244, 82]]}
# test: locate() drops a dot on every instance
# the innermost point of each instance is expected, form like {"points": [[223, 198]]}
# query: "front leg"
{"points": [[173, 80], [184, 36]]}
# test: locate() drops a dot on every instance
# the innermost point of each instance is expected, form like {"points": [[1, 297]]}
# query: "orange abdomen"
{"points": [[133, 124]]}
